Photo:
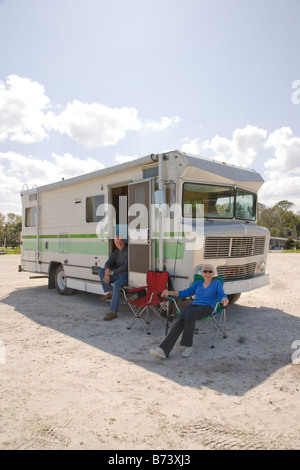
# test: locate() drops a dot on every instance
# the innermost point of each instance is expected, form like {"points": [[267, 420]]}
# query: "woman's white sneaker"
{"points": [[187, 352], [158, 352]]}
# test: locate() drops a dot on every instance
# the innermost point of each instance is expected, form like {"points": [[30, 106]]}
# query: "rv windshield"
{"points": [[219, 202]]}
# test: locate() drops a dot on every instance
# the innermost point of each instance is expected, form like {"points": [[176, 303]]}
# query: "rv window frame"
{"points": [[33, 216], [212, 185], [254, 209], [235, 194], [96, 219]]}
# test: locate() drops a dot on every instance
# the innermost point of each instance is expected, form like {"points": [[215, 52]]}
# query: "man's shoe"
{"points": [[107, 296], [158, 352], [110, 316], [186, 352]]}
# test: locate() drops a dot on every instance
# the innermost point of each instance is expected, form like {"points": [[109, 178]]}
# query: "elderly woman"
{"points": [[207, 293]]}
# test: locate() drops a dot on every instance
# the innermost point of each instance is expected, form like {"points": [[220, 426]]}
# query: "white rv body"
{"points": [[63, 238]]}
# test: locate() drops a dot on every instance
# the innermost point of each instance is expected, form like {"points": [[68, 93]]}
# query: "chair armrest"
{"points": [[137, 289], [176, 306], [158, 293], [218, 308]]}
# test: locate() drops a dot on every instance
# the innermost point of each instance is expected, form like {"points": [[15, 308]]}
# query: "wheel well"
{"points": [[233, 298], [51, 272]]}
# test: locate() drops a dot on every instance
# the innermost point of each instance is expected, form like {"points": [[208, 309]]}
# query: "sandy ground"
{"points": [[69, 380]]}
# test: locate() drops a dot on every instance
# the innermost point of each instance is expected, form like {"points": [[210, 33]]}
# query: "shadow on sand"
{"points": [[258, 344]]}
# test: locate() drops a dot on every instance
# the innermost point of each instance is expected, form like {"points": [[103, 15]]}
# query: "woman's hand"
{"points": [[225, 301], [169, 293]]}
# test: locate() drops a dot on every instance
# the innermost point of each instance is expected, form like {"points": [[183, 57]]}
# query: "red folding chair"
{"points": [[151, 301]]}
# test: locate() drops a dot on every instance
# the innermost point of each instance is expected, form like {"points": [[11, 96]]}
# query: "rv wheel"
{"points": [[233, 298], [60, 282]]}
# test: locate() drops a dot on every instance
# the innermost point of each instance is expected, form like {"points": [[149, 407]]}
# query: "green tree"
{"points": [[287, 216], [278, 217], [10, 229]]}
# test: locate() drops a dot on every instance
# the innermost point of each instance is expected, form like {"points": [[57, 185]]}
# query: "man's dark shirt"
{"points": [[118, 261]]}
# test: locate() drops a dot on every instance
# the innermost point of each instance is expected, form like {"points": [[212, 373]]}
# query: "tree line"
{"points": [[10, 229], [277, 219], [280, 219]]}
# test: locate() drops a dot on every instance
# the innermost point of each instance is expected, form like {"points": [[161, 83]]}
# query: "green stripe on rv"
{"points": [[79, 235], [79, 248], [172, 250]]}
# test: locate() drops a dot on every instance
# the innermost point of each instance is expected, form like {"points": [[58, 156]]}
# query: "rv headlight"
{"points": [[261, 266], [198, 270]]}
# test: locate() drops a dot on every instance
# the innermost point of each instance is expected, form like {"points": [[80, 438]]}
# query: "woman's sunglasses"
{"points": [[206, 271]]}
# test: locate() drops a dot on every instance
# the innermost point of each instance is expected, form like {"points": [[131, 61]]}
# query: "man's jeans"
{"points": [[118, 280]]}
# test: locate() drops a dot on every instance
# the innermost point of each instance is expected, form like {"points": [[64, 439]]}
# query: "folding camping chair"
{"points": [[217, 318], [151, 302]]}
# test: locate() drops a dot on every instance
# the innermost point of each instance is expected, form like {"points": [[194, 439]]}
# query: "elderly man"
{"points": [[115, 275]]}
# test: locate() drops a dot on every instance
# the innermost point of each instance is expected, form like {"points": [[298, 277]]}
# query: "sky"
{"points": [[87, 84]]}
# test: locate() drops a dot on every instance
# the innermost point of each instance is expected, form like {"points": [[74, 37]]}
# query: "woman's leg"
{"points": [[185, 321], [170, 340], [198, 312]]}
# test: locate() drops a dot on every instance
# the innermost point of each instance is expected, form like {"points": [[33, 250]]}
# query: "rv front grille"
{"points": [[233, 247], [236, 273]]}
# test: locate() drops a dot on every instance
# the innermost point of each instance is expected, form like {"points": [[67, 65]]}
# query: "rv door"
{"points": [[30, 234], [139, 246]]}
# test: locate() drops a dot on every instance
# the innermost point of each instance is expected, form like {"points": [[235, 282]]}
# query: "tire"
{"points": [[60, 282], [233, 298]]}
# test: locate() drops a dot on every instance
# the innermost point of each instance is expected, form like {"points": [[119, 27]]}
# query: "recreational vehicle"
{"points": [[177, 212]]}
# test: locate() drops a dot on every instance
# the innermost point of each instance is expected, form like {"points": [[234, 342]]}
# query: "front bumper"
{"points": [[246, 285]]}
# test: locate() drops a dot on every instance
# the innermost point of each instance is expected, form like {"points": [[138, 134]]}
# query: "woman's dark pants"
{"points": [[186, 324]]}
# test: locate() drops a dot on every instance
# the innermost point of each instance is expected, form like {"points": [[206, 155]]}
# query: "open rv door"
{"points": [[30, 232], [139, 245]]}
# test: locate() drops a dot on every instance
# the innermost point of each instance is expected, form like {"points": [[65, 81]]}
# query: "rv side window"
{"points": [[92, 204], [31, 216]]}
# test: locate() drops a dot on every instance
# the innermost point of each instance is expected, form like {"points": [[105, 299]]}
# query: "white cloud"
{"points": [[286, 151], [241, 149], [67, 166], [27, 116], [125, 158], [282, 169], [192, 146], [163, 124], [95, 125], [22, 106], [18, 169], [283, 188]]}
